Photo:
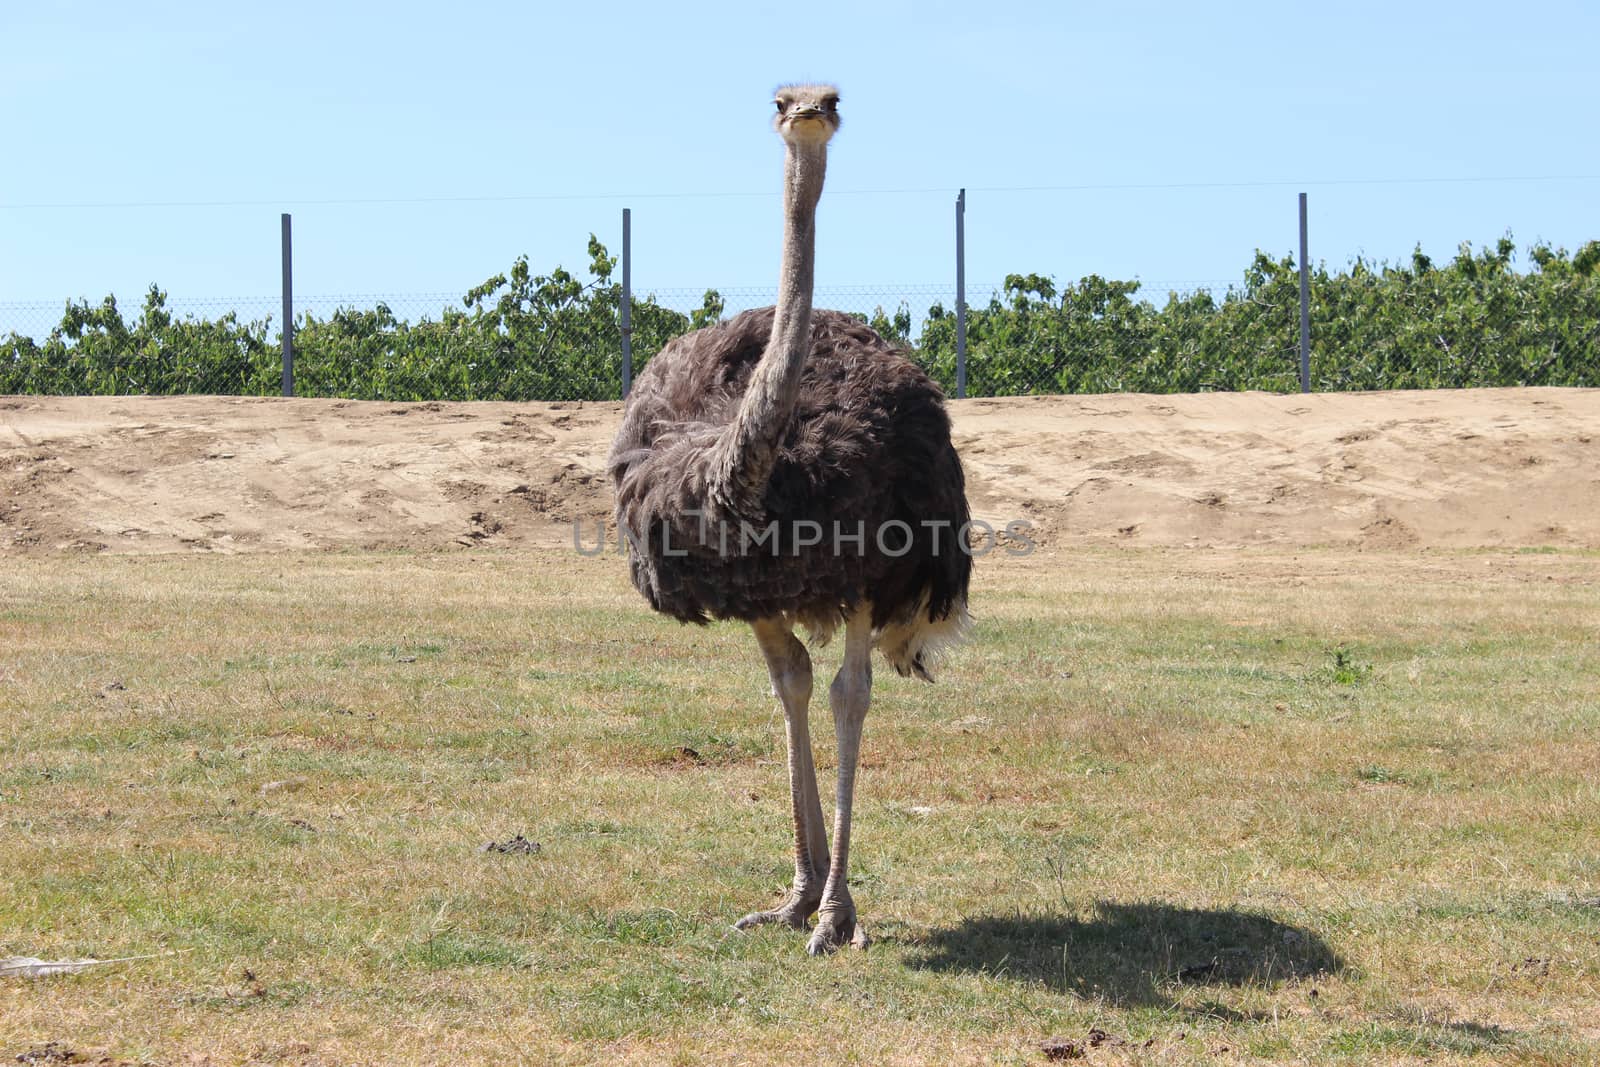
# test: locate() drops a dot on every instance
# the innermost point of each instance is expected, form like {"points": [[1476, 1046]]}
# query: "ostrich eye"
{"points": [[779, 105], [831, 103]]}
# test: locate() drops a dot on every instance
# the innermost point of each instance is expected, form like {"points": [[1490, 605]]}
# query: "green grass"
{"points": [[1303, 807]]}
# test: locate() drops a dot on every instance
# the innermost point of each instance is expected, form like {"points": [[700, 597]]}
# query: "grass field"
{"points": [[1173, 806]]}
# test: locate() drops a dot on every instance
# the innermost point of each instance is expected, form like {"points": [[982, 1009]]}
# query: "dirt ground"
{"points": [[1447, 468]]}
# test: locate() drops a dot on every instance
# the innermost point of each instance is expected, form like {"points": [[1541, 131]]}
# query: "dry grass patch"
{"points": [[1304, 807]]}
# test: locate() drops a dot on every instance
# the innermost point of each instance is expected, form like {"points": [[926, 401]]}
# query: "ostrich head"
{"points": [[807, 115]]}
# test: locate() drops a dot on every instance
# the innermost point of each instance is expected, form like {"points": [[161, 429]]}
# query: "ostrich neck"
{"points": [[749, 449], [803, 172]]}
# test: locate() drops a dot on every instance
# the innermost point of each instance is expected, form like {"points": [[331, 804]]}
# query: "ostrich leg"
{"points": [[789, 664], [849, 695]]}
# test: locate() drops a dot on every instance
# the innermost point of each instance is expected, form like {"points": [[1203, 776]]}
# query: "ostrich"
{"points": [[790, 468]]}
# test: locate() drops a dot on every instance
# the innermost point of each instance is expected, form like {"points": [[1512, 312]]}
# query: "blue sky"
{"points": [[421, 148]]}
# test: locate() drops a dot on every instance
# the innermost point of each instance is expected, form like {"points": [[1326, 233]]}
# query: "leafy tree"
{"points": [[95, 351]]}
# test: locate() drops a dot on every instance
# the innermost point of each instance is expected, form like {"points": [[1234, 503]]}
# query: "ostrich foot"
{"points": [[836, 928], [796, 908]]}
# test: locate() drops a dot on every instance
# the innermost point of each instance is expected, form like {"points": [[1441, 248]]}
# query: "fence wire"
{"points": [[1475, 320]]}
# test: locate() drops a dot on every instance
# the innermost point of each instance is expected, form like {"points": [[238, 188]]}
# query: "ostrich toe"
{"points": [[796, 908], [836, 928]]}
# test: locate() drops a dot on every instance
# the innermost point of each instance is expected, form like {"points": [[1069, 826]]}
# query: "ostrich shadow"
{"points": [[1129, 954]]}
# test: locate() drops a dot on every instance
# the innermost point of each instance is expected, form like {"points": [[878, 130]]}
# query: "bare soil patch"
{"points": [[1399, 470]]}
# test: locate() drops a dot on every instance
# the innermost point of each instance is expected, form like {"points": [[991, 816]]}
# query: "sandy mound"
{"points": [[1387, 470]]}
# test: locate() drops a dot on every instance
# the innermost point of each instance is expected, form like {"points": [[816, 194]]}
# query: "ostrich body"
{"points": [[789, 468]]}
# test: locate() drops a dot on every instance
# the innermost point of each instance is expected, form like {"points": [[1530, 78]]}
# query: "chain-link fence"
{"points": [[1474, 320]]}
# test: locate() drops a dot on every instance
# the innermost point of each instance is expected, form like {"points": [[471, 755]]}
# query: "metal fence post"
{"points": [[961, 295], [627, 302], [1305, 304], [288, 310]]}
